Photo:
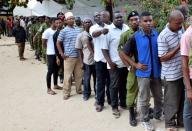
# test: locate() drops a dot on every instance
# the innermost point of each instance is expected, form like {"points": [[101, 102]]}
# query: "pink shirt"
{"points": [[186, 45]]}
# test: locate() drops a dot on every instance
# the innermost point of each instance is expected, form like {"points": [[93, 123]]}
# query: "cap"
{"points": [[68, 14], [132, 13]]}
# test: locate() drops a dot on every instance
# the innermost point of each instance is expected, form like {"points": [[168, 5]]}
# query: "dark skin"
{"points": [[98, 20], [175, 24], [134, 24], [118, 22], [47, 20], [146, 24], [185, 61], [86, 24], [70, 23], [59, 26], [54, 25], [106, 17]]}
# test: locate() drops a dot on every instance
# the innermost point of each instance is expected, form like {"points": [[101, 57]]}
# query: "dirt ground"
{"points": [[25, 105]]}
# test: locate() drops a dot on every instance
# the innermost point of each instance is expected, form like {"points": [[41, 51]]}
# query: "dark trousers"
{"points": [[118, 89], [61, 68], [102, 80], [52, 69], [88, 71], [173, 102], [21, 49]]}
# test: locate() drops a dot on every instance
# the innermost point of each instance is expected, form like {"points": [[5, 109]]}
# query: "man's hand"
{"points": [[58, 61], [189, 95], [105, 31], [64, 56], [112, 65], [140, 66], [82, 66]]}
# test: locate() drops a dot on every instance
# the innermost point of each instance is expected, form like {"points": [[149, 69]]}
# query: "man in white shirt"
{"points": [[117, 70], [47, 39], [98, 31], [22, 22]]}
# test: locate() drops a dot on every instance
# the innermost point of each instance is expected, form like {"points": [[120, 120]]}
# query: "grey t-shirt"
{"points": [[83, 39]]}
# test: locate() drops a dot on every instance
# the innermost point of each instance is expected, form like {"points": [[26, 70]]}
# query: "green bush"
{"points": [[160, 10]]}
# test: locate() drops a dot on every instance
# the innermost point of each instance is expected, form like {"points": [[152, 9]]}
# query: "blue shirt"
{"points": [[139, 46], [68, 36]]}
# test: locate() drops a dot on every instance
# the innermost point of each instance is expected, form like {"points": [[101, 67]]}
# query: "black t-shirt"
{"points": [[55, 36], [19, 34], [130, 48]]}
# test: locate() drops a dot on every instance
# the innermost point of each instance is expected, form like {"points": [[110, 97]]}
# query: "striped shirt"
{"points": [[68, 36], [167, 41]]}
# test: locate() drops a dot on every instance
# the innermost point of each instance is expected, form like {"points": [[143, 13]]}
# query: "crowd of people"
{"points": [[128, 63], [6, 27]]}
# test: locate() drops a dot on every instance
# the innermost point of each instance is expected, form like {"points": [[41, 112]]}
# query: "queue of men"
{"points": [[128, 64]]}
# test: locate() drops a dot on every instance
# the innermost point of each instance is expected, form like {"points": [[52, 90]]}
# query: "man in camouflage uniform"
{"points": [[29, 29], [45, 25], [34, 28], [132, 86]]}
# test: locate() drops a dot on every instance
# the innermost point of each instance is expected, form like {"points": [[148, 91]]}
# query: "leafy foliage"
{"points": [[106, 2], [13, 3], [69, 3], [160, 10]]}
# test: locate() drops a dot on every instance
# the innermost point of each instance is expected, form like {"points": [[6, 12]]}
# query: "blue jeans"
{"points": [[187, 115], [102, 80], [88, 71]]}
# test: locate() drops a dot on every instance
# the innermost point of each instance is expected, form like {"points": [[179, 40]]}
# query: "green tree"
{"points": [[160, 10]]}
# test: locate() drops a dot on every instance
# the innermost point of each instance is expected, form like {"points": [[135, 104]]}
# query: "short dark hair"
{"points": [[60, 13], [145, 13], [117, 12], [53, 19], [184, 10]]}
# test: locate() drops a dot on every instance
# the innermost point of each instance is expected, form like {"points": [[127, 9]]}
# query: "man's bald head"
{"points": [[176, 20], [105, 17], [105, 13], [175, 14]]}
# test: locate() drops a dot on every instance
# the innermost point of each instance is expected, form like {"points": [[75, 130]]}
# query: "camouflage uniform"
{"points": [[34, 29], [132, 85], [29, 26], [42, 28]]}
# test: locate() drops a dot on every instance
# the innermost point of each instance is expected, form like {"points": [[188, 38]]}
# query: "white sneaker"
{"points": [[148, 126]]}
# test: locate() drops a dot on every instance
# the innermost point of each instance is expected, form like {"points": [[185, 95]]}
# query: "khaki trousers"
{"points": [[72, 65]]}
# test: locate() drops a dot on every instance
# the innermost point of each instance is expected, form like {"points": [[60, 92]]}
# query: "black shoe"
{"points": [[85, 98], [99, 108], [132, 117], [151, 113]]}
